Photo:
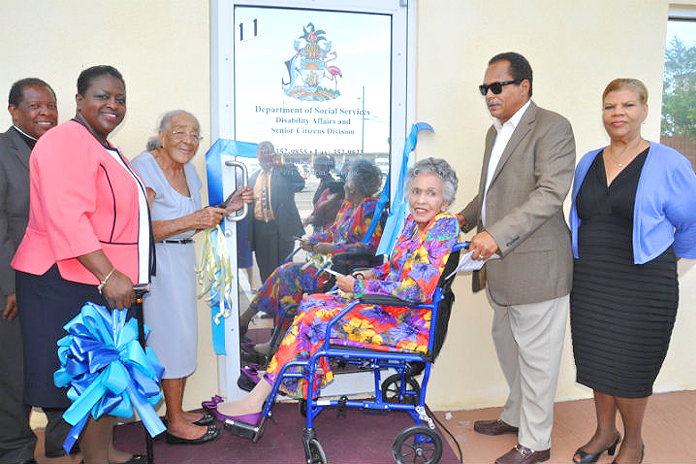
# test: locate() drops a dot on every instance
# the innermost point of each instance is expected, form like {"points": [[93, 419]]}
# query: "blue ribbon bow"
{"points": [[107, 371], [214, 163]]}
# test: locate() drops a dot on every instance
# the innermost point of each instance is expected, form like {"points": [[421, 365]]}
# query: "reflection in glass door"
{"points": [[317, 90]]}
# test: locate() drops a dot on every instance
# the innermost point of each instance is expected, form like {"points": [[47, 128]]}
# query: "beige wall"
{"points": [[162, 47]]}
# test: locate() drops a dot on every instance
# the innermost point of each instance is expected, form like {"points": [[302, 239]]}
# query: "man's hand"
{"points": [[10, 311], [462, 221], [483, 245]]}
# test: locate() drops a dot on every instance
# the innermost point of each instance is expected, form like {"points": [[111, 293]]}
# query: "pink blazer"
{"points": [[81, 200]]}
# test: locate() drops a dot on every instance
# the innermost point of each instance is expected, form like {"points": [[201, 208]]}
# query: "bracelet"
{"points": [[103, 282]]}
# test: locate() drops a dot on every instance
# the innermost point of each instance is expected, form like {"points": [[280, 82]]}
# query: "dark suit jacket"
{"points": [[285, 181], [14, 203], [524, 210]]}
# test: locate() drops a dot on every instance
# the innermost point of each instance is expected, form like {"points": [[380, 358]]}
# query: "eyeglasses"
{"points": [[181, 135], [496, 87]]}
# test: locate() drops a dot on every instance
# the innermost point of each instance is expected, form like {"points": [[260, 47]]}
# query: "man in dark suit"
{"points": [[32, 105], [275, 221], [528, 167]]}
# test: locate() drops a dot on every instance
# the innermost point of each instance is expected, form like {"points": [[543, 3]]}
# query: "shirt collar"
{"points": [[24, 133], [515, 119]]}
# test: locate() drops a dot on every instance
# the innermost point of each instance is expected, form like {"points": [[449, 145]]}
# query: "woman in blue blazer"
{"points": [[633, 216]]}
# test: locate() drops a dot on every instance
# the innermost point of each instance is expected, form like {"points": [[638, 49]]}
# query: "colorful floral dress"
{"points": [[286, 285], [411, 274]]}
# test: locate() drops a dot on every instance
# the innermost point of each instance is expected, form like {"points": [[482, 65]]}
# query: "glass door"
{"points": [[316, 89]]}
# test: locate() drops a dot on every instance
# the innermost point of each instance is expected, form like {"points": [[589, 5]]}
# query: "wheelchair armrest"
{"points": [[386, 300]]}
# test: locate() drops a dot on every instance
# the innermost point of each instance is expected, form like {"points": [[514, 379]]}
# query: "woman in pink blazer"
{"points": [[88, 239]]}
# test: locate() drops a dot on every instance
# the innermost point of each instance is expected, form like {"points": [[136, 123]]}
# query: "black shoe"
{"points": [[588, 458], [61, 452], [30, 461], [211, 434], [245, 383], [207, 419]]}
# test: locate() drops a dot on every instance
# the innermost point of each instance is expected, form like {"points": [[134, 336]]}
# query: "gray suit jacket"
{"points": [[14, 203], [524, 210]]}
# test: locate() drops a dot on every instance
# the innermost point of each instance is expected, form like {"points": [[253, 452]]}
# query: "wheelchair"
{"points": [[401, 391], [343, 263]]}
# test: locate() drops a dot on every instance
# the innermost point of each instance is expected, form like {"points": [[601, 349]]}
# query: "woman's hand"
{"points": [[323, 248], [118, 288], [345, 283], [118, 291], [306, 245], [240, 196], [207, 217]]}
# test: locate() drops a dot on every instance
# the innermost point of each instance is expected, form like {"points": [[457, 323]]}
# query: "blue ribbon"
{"points": [[397, 213], [107, 371], [214, 163]]}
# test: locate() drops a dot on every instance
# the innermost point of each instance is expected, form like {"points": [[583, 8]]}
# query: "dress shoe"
{"points": [[494, 427], [586, 458], [211, 406], [642, 455], [57, 453], [207, 419], [211, 434], [251, 419], [522, 455]]}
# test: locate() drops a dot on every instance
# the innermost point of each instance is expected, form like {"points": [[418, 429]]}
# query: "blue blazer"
{"points": [[665, 208]]}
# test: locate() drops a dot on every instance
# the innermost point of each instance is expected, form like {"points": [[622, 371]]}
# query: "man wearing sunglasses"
{"points": [[528, 167]]}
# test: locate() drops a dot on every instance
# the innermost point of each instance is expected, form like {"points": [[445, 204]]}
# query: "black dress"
{"points": [[621, 313]]}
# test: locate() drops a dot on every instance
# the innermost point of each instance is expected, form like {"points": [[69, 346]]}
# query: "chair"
{"points": [[400, 391]]}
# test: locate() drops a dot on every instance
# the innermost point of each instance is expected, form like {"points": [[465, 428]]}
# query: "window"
{"points": [[678, 128]]}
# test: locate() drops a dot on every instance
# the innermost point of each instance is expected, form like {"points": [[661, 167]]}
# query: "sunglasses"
{"points": [[496, 87]]}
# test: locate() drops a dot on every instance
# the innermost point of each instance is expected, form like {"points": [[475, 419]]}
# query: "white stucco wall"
{"points": [[162, 47]]}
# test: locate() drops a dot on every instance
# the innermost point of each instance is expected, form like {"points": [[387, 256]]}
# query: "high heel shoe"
{"points": [[211, 406], [642, 455], [586, 458]]}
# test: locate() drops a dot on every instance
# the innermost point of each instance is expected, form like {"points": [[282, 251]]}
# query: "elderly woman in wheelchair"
{"points": [[412, 274], [290, 281]]}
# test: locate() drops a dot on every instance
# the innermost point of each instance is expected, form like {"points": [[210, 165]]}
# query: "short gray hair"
{"points": [[364, 177], [153, 142], [441, 169]]}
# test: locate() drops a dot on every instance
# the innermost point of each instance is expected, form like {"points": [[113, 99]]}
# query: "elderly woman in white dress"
{"points": [[170, 307]]}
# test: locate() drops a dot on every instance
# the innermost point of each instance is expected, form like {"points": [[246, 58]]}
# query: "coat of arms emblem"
{"points": [[309, 67]]}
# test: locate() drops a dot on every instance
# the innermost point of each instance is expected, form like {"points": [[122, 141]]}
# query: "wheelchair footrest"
{"points": [[241, 429]]}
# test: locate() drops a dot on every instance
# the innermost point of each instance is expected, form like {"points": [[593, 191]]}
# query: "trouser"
{"points": [[17, 440], [529, 342], [271, 249]]}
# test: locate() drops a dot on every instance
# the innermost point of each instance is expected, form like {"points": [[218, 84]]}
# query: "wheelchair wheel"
{"points": [[417, 444], [391, 390], [314, 453]]}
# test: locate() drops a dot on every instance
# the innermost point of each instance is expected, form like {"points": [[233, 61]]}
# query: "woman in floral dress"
{"points": [[290, 281], [411, 274]]}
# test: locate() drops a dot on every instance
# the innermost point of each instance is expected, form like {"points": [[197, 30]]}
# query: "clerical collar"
{"points": [[28, 139]]}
